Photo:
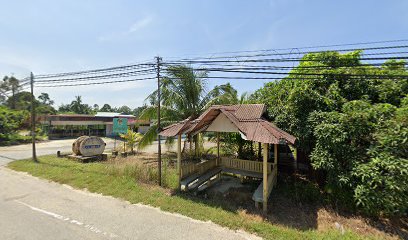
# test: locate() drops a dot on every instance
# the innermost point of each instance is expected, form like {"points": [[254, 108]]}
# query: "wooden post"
{"points": [[179, 159], [296, 158], [218, 149], [275, 161], [197, 145], [190, 139], [265, 177]]}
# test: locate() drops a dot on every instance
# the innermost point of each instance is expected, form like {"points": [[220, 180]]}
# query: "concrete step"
{"points": [[204, 178]]}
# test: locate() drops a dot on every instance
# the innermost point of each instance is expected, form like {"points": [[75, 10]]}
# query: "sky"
{"points": [[48, 36]]}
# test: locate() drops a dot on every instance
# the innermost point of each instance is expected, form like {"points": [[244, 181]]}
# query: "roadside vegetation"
{"points": [[350, 119], [352, 122], [129, 180], [15, 106]]}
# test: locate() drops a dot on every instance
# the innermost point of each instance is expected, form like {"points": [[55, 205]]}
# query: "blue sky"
{"points": [[46, 36]]}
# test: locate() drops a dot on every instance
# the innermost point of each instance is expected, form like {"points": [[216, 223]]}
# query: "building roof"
{"points": [[111, 114], [248, 118]]}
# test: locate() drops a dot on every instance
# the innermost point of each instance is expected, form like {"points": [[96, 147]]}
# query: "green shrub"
{"points": [[353, 128]]}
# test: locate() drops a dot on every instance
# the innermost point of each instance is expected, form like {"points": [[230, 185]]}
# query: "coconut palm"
{"points": [[131, 138], [183, 95]]}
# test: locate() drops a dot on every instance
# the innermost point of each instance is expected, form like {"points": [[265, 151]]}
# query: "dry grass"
{"points": [[131, 179], [143, 168]]}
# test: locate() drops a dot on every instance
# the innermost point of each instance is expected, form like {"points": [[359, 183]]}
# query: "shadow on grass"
{"points": [[281, 210], [296, 204]]}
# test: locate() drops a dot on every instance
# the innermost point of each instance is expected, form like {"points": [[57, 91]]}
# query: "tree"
{"points": [[64, 108], [10, 84], [10, 122], [22, 101], [383, 179], [340, 114], [131, 138], [45, 99], [183, 95], [106, 108], [78, 107], [137, 111], [124, 109], [96, 107]]}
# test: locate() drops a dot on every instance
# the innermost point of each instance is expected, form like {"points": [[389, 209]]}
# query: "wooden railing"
{"points": [[272, 178], [245, 165], [199, 168]]}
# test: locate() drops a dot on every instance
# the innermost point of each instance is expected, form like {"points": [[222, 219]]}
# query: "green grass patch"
{"points": [[104, 178]]}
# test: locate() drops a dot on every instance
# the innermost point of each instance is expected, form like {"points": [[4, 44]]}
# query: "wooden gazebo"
{"points": [[249, 121]]}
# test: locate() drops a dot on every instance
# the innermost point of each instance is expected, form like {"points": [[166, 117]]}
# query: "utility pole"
{"points": [[159, 162], [33, 117]]}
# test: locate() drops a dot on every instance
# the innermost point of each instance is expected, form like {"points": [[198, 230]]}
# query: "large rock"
{"points": [[88, 146]]}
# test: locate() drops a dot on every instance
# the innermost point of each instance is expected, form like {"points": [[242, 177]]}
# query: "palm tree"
{"points": [[131, 138], [183, 95]]}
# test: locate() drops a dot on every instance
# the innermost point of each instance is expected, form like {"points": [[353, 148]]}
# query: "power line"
{"points": [[93, 71], [280, 60], [98, 77], [361, 65], [307, 47], [304, 52], [98, 83]]}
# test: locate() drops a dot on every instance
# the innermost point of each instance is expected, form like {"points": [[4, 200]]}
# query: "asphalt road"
{"points": [[11, 153], [31, 208]]}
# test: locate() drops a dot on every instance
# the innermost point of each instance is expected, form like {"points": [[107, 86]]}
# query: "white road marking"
{"points": [[69, 220]]}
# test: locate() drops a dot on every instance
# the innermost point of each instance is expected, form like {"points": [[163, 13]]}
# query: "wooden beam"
{"points": [[218, 149], [197, 145], [265, 177], [190, 138], [276, 154], [295, 156], [179, 159], [275, 160]]}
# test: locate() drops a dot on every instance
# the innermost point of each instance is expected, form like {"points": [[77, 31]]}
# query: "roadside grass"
{"points": [[131, 183]]}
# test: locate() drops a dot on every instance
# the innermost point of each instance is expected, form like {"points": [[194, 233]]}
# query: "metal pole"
{"points": [[158, 121], [33, 117]]}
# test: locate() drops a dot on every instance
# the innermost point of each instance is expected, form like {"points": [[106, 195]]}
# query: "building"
{"points": [[75, 125]]}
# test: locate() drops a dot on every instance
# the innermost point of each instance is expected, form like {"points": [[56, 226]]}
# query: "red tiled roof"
{"points": [[246, 117], [176, 128]]}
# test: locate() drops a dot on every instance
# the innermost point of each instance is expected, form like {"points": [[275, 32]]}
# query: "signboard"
{"points": [[120, 125]]}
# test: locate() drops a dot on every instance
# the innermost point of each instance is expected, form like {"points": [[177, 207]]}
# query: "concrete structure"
{"points": [[75, 125]]}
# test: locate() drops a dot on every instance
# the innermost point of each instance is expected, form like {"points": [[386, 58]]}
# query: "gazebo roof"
{"points": [[247, 118]]}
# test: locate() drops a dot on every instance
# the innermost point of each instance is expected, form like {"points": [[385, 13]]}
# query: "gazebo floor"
{"points": [[242, 172], [194, 181]]}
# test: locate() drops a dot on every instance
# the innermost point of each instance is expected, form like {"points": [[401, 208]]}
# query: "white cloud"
{"points": [[142, 23], [135, 27]]}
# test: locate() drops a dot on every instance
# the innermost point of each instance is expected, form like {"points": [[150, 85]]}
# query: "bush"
{"points": [[353, 128], [364, 151], [383, 180], [10, 122]]}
